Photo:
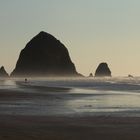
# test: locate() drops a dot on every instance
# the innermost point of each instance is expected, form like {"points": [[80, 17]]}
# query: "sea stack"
{"points": [[44, 55], [90, 75], [103, 70], [3, 72]]}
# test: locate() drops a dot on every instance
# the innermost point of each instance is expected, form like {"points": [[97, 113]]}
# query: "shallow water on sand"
{"points": [[70, 96]]}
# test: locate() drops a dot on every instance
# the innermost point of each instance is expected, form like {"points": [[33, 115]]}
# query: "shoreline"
{"points": [[42, 112]]}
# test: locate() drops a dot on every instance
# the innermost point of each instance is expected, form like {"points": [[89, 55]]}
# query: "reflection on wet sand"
{"points": [[61, 97], [74, 109], [73, 97]]}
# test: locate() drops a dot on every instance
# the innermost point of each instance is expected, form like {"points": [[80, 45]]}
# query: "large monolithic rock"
{"points": [[44, 55], [102, 70]]}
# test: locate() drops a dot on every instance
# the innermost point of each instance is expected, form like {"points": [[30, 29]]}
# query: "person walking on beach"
{"points": [[26, 80]]}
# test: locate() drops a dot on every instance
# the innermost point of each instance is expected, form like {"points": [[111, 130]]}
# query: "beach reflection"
{"points": [[7, 84], [106, 102], [68, 97]]}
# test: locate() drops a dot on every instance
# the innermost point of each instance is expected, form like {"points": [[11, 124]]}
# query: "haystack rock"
{"points": [[44, 55], [103, 70], [3, 72]]}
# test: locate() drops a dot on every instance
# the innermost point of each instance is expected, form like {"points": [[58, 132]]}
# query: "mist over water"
{"points": [[71, 96]]}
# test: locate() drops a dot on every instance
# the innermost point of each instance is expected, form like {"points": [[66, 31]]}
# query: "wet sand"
{"points": [[73, 127], [69, 128]]}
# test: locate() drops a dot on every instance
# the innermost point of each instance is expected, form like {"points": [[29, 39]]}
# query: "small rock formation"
{"points": [[130, 76], [90, 75], [102, 70], [3, 72], [44, 55]]}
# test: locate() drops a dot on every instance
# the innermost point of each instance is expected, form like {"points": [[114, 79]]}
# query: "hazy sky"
{"points": [[94, 31]]}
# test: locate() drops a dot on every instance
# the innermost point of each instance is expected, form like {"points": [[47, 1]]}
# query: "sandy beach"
{"points": [[74, 128], [59, 111]]}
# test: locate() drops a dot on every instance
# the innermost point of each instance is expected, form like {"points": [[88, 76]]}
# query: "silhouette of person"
{"points": [[25, 80]]}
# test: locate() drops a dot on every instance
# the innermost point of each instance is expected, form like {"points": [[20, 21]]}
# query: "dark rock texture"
{"points": [[3, 72], [44, 55], [103, 70], [90, 75], [131, 76]]}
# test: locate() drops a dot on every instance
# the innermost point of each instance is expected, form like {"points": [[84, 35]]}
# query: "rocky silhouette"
{"points": [[130, 76], [90, 75], [44, 55], [3, 72], [102, 70]]}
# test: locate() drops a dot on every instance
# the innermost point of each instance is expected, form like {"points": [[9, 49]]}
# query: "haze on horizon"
{"points": [[94, 31]]}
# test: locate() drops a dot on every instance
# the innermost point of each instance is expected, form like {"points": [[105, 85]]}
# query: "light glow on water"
{"points": [[70, 96]]}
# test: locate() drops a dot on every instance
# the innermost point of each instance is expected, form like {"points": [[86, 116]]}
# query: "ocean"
{"points": [[115, 96]]}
